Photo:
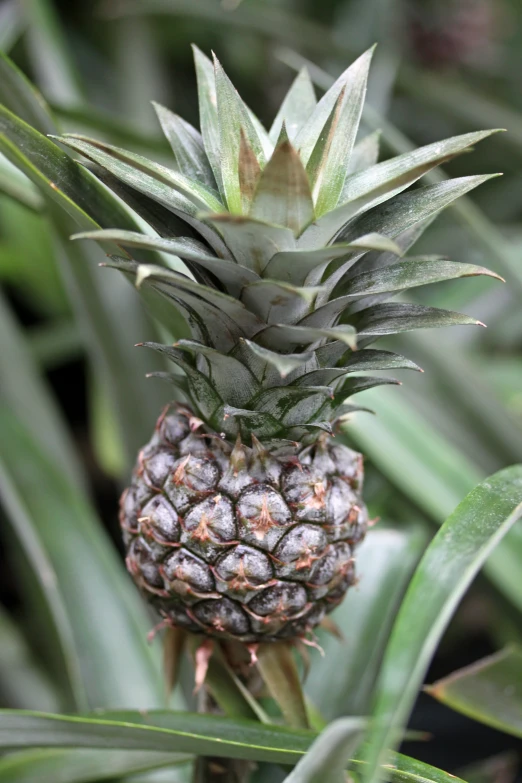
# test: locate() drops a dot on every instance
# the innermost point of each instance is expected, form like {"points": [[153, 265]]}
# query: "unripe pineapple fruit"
{"points": [[239, 541], [245, 511]]}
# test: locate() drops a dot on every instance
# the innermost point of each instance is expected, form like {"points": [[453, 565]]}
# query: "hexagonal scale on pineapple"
{"points": [[242, 571], [282, 600], [305, 624], [129, 509], [191, 481], [236, 475], [209, 526], [330, 569], [173, 427], [298, 550], [142, 562], [188, 576], [157, 466], [348, 464], [346, 514], [222, 616], [262, 513], [305, 491], [160, 521]]}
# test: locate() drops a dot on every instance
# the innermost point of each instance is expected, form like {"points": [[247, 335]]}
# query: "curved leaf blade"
{"points": [[187, 146], [329, 160], [233, 118], [84, 766], [27, 393], [17, 92], [160, 182], [296, 107], [327, 758], [489, 691], [279, 672], [232, 275], [392, 318], [409, 273], [132, 733], [88, 205], [109, 647], [342, 682], [450, 563], [283, 194]]}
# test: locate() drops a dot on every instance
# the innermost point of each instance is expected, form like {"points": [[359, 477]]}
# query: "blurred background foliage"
{"points": [[442, 67]]}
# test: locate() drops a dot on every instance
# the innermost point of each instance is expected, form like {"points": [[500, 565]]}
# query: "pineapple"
{"points": [[279, 251]]}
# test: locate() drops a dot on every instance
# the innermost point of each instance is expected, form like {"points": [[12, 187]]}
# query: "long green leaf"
{"points": [[470, 215], [156, 731], [279, 671], [50, 54], [22, 97], [234, 276], [327, 758], [308, 137], [433, 473], [391, 318], [406, 210], [157, 181], [208, 116], [110, 336], [84, 766], [27, 394], [23, 682], [187, 146], [233, 118], [489, 691], [295, 109], [383, 180], [48, 514], [341, 682], [329, 160], [57, 175], [172, 732], [449, 565], [409, 273], [283, 195]]}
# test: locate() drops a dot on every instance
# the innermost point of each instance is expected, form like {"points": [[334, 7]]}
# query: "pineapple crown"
{"points": [[279, 251]]}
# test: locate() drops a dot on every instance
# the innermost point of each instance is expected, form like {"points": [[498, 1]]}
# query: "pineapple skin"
{"points": [[239, 542]]}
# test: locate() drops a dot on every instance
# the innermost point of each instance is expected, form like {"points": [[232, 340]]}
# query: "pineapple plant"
{"points": [[280, 250], [221, 464]]}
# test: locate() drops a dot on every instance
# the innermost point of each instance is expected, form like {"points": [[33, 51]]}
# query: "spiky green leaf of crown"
{"points": [[292, 240]]}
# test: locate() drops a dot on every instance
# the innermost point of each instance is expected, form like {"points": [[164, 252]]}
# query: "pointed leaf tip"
{"points": [[283, 194], [328, 161]]}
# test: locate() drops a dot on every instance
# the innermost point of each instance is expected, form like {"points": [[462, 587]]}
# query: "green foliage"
{"points": [[488, 691], [77, 641]]}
